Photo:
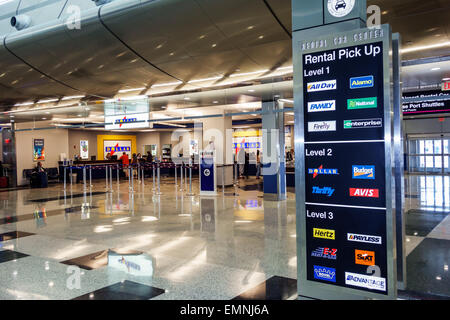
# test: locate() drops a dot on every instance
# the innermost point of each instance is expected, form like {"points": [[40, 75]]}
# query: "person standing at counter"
{"points": [[258, 164], [108, 156], [125, 162], [149, 157]]}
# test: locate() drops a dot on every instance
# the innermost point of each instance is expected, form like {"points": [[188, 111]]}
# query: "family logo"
{"points": [[321, 106]]}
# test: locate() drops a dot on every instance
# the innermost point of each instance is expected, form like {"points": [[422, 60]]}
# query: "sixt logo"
{"points": [[324, 273], [322, 171], [321, 106], [322, 86], [364, 193], [363, 172], [361, 82], [123, 121], [325, 191], [326, 253], [366, 258]]}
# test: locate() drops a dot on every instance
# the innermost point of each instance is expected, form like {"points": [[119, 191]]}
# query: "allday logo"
{"points": [[321, 106], [361, 82], [363, 238], [363, 103], [322, 86], [320, 126], [322, 171], [365, 281], [324, 273], [324, 191], [325, 253], [363, 172], [363, 123], [364, 193]]}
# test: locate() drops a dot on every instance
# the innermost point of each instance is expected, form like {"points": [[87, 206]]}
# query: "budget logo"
{"points": [[324, 273], [324, 233], [364, 193], [365, 281], [327, 191], [363, 172], [322, 86], [321, 106], [363, 238], [366, 258], [361, 82], [363, 123], [363, 103], [325, 253], [322, 171], [320, 126]]}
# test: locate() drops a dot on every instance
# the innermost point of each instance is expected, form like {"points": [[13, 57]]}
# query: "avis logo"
{"points": [[364, 193]]}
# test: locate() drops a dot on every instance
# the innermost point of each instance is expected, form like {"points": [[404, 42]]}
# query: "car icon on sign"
{"points": [[340, 5]]}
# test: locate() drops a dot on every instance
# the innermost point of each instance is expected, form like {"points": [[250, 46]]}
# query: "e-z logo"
{"points": [[326, 253]]}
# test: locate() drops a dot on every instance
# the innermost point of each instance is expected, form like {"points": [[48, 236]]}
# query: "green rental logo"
{"points": [[363, 103]]}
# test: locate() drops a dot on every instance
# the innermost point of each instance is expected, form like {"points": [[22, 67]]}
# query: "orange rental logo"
{"points": [[366, 258]]}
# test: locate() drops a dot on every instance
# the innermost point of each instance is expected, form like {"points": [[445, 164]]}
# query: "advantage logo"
{"points": [[324, 273], [321, 106], [322, 171], [324, 233], [361, 82], [363, 123], [325, 191], [365, 281], [364, 193], [363, 172], [320, 126], [322, 86], [325, 253], [366, 258], [363, 103], [363, 238]]}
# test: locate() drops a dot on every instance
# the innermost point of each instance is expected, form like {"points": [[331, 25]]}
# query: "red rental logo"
{"points": [[365, 193]]}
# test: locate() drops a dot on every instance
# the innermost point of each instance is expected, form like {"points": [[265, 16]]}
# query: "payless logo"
{"points": [[363, 238], [324, 234], [364, 193], [321, 106], [322, 86], [361, 82], [320, 126], [322, 171], [366, 258], [363, 172], [363, 103]]}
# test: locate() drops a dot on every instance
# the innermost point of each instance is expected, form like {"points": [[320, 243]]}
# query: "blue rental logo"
{"points": [[363, 172], [361, 82], [323, 191], [324, 273]]}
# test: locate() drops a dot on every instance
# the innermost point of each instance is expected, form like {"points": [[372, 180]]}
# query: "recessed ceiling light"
{"points": [[44, 118], [187, 98], [435, 69], [216, 101], [251, 90], [214, 45], [250, 27], [260, 37], [385, 12]]}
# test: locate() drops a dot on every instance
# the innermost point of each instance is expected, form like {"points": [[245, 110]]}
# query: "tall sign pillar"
{"points": [[343, 145]]}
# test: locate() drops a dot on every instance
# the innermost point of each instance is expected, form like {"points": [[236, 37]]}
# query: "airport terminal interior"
{"points": [[138, 139]]}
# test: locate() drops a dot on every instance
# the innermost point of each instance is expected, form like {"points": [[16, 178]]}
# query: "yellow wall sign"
{"points": [[102, 138], [324, 234], [247, 133]]}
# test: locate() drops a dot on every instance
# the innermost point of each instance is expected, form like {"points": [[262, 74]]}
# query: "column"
{"points": [[273, 155]]}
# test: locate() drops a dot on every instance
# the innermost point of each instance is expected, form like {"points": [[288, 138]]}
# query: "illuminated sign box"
{"points": [[130, 121]]}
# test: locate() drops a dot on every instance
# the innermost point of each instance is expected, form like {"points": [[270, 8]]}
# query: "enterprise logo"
{"points": [[363, 238], [322, 171], [365, 281], [321, 106], [363, 123], [363, 103], [324, 234], [364, 193], [322, 86], [363, 172], [325, 253], [361, 82], [324, 273], [320, 126]]}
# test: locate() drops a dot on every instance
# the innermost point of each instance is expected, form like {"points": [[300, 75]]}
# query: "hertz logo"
{"points": [[324, 234]]}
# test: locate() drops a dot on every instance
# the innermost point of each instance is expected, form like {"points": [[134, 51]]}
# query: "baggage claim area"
{"points": [[224, 150]]}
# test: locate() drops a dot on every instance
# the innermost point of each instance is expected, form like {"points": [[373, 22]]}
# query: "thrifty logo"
{"points": [[327, 191]]}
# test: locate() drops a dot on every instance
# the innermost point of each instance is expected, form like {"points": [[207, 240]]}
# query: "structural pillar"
{"points": [[273, 153]]}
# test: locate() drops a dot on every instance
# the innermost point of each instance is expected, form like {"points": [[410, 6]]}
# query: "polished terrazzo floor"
{"points": [[121, 245]]}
